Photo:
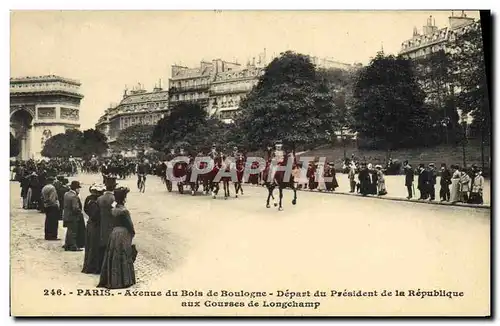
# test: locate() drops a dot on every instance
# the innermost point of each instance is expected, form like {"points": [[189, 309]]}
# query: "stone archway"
{"points": [[21, 122]]}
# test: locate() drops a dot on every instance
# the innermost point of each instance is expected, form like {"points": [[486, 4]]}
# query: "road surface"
{"points": [[325, 242]]}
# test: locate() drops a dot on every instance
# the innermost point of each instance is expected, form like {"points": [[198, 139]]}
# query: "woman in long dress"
{"points": [[91, 261], [455, 184], [117, 270]]}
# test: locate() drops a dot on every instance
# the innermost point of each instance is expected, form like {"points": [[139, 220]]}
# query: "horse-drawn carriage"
{"points": [[179, 172]]}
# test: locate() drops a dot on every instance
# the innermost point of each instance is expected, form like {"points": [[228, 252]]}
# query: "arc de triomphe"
{"points": [[41, 107]]}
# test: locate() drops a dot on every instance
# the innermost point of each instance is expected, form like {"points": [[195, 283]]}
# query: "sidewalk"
{"points": [[434, 202], [397, 192]]}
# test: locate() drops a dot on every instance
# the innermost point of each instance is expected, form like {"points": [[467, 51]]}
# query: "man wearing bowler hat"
{"points": [[71, 216]]}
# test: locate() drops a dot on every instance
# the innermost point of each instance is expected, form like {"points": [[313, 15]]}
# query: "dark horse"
{"points": [[208, 179], [277, 180]]}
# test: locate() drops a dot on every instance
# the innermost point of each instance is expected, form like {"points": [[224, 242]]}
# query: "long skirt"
{"points": [[117, 270], [455, 190], [92, 262], [476, 198], [80, 233], [27, 199], [381, 188], [364, 187], [51, 222]]}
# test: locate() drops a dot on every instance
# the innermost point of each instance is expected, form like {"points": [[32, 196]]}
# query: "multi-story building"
{"points": [[327, 63], [229, 88], [42, 107], [219, 86], [434, 39], [137, 107]]}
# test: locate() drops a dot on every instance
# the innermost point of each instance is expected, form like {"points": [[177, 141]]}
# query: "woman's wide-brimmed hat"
{"points": [[378, 166], [97, 187], [121, 191]]}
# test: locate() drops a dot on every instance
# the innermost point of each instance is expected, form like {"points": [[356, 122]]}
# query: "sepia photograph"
{"points": [[182, 163]]}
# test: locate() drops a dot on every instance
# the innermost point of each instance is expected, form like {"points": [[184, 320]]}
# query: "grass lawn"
{"points": [[437, 155]]}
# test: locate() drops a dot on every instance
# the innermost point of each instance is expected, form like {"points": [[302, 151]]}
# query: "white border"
{"points": [[192, 4]]}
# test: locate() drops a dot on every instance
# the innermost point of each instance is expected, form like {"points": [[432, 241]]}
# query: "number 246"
{"points": [[52, 292]]}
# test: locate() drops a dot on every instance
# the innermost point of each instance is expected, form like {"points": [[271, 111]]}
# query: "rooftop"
{"points": [[44, 78], [145, 97]]}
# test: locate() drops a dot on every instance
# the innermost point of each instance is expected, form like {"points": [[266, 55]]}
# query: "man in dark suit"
{"points": [[423, 182], [51, 209], [432, 181], [409, 178], [105, 202], [445, 182], [71, 216]]}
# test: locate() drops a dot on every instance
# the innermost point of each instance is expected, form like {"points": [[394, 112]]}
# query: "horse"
{"points": [[214, 185], [277, 180]]}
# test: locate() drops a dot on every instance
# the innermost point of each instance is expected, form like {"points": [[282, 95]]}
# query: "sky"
{"points": [[106, 50]]}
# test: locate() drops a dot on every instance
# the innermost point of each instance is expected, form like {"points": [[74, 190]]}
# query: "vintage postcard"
{"points": [[250, 163]]}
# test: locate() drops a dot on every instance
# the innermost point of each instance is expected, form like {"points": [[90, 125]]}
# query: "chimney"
{"points": [[459, 21], [253, 61], [429, 28], [125, 92], [158, 87]]}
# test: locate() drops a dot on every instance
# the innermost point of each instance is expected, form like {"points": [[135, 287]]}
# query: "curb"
{"points": [[385, 197]]}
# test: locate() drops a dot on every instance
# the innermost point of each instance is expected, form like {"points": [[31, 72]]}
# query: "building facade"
{"points": [[41, 107], [433, 39], [229, 88], [136, 107], [219, 86]]}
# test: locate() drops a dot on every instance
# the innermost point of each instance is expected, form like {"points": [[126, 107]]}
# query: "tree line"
{"points": [[390, 103]]}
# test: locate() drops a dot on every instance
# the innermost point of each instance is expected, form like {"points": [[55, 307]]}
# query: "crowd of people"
{"points": [[107, 237]]}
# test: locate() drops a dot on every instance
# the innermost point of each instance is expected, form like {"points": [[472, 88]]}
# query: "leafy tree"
{"points": [[289, 103], [435, 75], [340, 86], [389, 104], [183, 119], [93, 143], [75, 143], [136, 137], [64, 145], [14, 146], [470, 75], [212, 132]]}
